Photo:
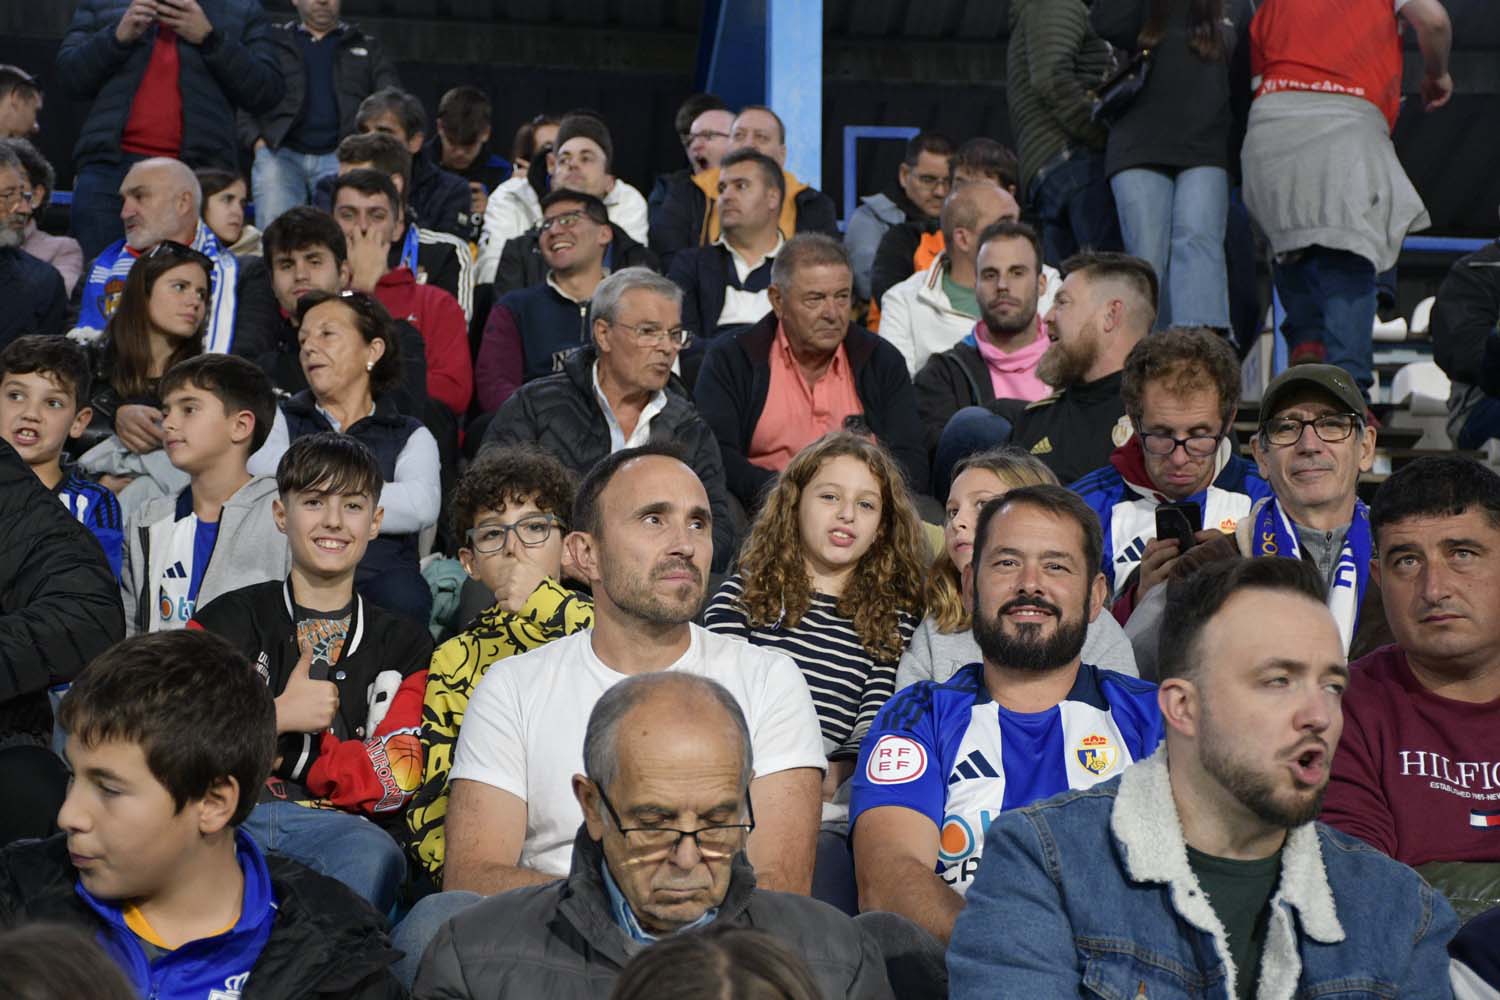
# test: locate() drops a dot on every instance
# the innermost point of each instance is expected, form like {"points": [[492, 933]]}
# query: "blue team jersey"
{"points": [[96, 508], [949, 752]]}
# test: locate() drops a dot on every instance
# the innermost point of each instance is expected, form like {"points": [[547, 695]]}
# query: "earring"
{"points": [[369, 366]]}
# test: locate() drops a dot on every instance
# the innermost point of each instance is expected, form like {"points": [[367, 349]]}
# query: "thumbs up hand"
{"points": [[306, 705]]}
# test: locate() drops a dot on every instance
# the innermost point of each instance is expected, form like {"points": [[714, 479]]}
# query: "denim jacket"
{"points": [[1090, 894]]}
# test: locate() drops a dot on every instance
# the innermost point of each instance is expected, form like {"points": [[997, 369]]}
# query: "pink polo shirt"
{"points": [[797, 414], [1014, 374]]}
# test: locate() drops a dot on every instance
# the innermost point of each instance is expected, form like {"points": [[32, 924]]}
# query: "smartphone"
{"points": [[1179, 520]]}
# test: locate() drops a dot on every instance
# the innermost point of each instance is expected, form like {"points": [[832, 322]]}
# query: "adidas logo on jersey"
{"points": [[176, 572], [1131, 553], [972, 766], [1042, 447]]}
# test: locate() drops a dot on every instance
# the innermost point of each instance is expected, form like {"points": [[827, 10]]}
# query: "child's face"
{"points": [[328, 532], [197, 429], [493, 567], [38, 415], [126, 836]]}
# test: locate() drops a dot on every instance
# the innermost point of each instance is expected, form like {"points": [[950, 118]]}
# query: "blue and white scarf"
{"points": [[1275, 535], [106, 282]]}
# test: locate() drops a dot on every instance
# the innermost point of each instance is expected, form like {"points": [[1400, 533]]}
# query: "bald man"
{"points": [[667, 812], [936, 307], [161, 201]]}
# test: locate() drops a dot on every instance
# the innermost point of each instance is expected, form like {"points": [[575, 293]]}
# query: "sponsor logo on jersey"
{"points": [[1096, 754], [1485, 818], [895, 760], [972, 766]]}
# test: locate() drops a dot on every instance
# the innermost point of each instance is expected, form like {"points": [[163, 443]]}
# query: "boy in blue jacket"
{"points": [[170, 737]]}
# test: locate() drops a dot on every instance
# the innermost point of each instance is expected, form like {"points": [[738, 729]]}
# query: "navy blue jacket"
{"points": [[36, 301], [234, 68], [736, 376]]}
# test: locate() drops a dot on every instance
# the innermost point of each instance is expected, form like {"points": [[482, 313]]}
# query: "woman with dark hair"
{"points": [[531, 138], [351, 357], [224, 197], [159, 322], [719, 963], [1171, 152]]}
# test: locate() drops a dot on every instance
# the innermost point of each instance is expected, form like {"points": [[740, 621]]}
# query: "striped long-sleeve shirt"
{"points": [[848, 686]]}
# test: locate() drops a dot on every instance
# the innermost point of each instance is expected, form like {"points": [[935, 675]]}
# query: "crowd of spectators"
{"points": [[432, 572]]}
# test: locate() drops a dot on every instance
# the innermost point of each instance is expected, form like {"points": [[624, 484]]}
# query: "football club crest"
{"points": [[1121, 431], [1097, 754]]}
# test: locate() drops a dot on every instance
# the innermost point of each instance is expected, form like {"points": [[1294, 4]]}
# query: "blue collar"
{"points": [[625, 917]]}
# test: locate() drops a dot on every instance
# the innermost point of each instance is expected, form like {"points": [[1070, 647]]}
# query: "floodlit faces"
{"points": [[312, 268], [1313, 477], [581, 165], [224, 213], [814, 310], [759, 130], [38, 414], [838, 516], [1008, 284], [197, 430], [1164, 414], [179, 301], [526, 522], [327, 532], [335, 356], [709, 139]]}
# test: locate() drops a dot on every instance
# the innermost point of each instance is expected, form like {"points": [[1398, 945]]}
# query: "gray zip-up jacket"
{"points": [[250, 549]]}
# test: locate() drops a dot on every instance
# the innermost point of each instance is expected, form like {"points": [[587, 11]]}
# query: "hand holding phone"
{"points": [[1180, 521]]}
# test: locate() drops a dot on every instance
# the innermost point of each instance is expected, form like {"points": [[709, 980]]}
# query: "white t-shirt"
{"points": [[523, 730]]}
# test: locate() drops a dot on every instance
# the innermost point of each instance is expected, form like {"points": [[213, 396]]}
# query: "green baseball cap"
{"points": [[1330, 379]]}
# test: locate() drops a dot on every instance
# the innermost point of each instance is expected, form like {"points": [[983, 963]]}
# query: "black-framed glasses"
{"points": [[651, 335], [1196, 445], [530, 531], [566, 220], [1330, 428], [707, 135], [171, 248], [931, 181], [652, 843]]}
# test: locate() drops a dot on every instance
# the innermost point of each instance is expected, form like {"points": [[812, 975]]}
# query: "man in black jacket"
{"points": [[1466, 345], [817, 371], [619, 392], [440, 199], [37, 299], [171, 735], [329, 68], [165, 78]]}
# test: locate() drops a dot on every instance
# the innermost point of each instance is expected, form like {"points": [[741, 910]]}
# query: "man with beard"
{"points": [[998, 358], [1200, 871], [642, 539], [37, 301], [943, 760], [937, 305], [1106, 305]]}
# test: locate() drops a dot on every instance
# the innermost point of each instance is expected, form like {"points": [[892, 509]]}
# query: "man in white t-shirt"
{"points": [[643, 540]]}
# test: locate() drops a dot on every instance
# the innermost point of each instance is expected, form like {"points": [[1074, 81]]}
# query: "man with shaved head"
{"points": [[937, 307], [667, 808], [161, 202]]}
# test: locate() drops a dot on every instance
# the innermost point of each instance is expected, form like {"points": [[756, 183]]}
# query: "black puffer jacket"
{"points": [[327, 943], [59, 602], [360, 67], [234, 68], [561, 414], [948, 382]]}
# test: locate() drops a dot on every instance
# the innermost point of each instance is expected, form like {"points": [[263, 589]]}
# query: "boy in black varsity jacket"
{"points": [[347, 676]]}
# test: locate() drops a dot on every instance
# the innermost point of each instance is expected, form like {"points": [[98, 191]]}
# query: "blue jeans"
{"points": [[1176, 224], [1075, 206], [95, 216], [283, 178], [970, 430], [337, 844], [413, 934], [1329, 298]]}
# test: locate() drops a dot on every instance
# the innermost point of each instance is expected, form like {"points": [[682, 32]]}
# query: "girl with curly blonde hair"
{"points": [[831, 575], [944, 641]]}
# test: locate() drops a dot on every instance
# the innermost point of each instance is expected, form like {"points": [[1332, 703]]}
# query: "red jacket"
{"points": [[434, 312]]}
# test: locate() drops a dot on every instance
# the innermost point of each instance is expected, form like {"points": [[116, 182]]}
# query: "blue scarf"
{"points": [[409, 251], [1275, 535]]}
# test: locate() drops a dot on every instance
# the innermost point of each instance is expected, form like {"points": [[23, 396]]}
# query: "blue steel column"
{"points": [[794, 81]]}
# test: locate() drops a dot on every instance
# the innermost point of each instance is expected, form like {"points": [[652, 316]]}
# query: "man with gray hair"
{"points": [[162, 201], [805, 370], [619, 392], [667, 811], [36, 301]]}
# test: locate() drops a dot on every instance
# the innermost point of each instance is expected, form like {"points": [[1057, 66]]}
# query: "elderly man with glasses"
{"points": [[37, 301], [1180, 389], [619, 390], [665, 795]]}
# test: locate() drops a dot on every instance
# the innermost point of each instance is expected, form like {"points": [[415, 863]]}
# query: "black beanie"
{"points": [[589, 127]]}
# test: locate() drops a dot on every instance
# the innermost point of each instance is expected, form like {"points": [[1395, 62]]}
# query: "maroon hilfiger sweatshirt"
{"points": [[1415, 774]]}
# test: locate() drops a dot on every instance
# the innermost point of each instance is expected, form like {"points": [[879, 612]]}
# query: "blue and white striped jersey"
{"points": [[951, 753]]}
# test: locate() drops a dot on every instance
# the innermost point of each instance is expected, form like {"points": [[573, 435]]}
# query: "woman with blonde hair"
{"points": [[831, 575], [945, 640]]}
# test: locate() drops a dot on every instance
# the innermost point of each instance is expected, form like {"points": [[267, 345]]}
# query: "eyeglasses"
{"points": [[1331, 428], [930, 181], [707, 135], [530, 531], [10, 196], [651, 335], [1197, 446], [653, 843], [171, 248], [566, 220]]}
